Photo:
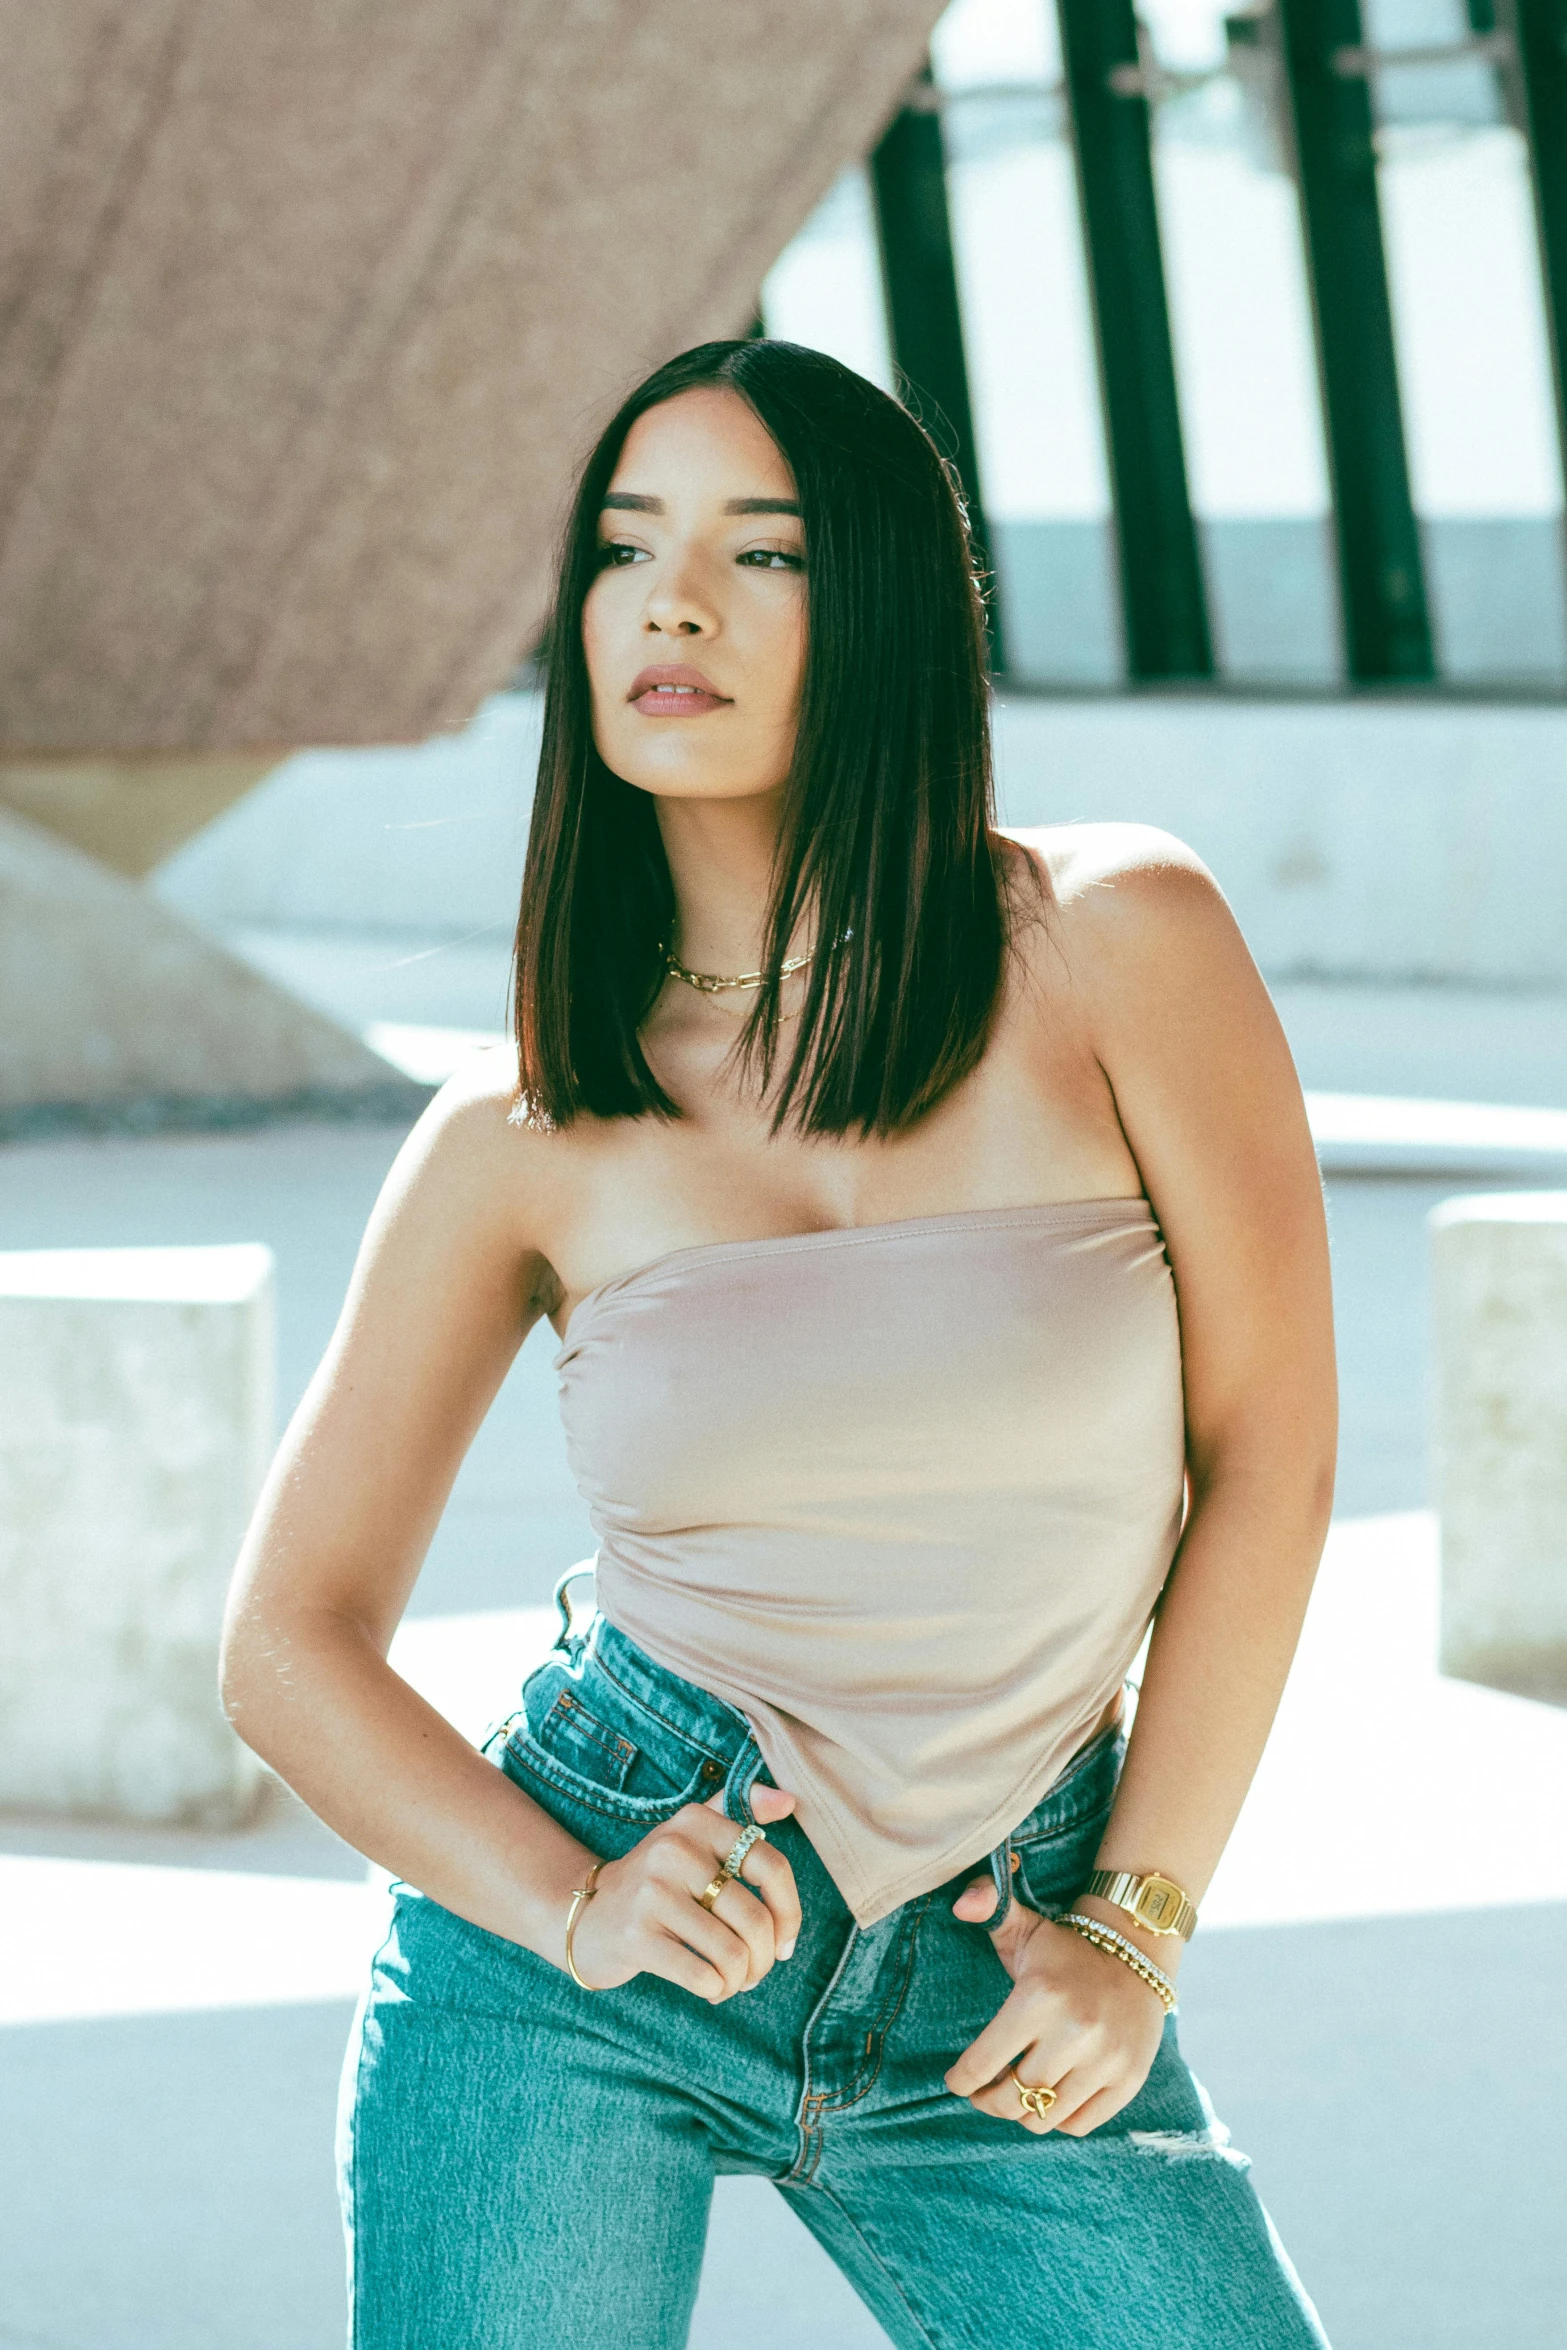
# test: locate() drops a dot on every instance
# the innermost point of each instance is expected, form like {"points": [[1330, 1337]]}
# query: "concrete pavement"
{"points": [[164, 2171]]}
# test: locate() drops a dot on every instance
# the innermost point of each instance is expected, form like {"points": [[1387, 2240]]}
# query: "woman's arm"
{"points": [[448, 1282], [1212, 1111], [443, 1293]]}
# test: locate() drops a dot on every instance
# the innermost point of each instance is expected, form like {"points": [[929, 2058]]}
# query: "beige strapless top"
{"points": [[904, 1495]]}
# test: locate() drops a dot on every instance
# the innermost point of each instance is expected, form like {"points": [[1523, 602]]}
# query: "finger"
{"points": [[768, 1803], [976, 1901], [768, 1870], [746, 1915], [1094, 2111], [669, 1958], [1013, 2027], [1001, 2097], [764, 1867], [712, 1938]]}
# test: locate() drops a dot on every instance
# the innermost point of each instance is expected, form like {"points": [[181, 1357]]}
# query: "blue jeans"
{"points": [[526, 2164]]}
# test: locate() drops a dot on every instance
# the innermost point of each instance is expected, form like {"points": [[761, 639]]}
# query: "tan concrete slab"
{"points": [[130, 812], [113, 1004], [312, 308]]}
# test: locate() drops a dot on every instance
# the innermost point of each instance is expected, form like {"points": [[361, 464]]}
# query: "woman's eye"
{"points": [[772, 559], [615, 554]]}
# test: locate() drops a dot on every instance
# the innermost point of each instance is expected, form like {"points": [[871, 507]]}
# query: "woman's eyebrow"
{"points": [[630, 502]]}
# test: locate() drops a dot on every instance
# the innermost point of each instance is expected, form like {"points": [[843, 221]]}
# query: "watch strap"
{"points": [[1156, 1902]]}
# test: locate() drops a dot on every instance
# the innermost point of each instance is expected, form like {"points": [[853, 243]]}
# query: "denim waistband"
{"points": [[677, 1704], [722, 1731]]}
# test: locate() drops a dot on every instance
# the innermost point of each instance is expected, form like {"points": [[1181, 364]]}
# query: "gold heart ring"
{"points": [[1036, 2101]]}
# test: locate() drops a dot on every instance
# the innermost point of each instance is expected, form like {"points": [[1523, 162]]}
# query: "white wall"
{"points": [[428, 838], [1356, 840], [1389, 842]]}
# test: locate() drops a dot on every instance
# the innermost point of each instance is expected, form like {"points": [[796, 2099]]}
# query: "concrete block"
{"points": [[1383, 843], [118, 1011], [136, 1423], [1499, 1294], [310, 312], [130, 812]]}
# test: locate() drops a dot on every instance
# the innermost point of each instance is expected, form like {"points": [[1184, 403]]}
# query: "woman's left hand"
{"points": [[1076, 2021]]}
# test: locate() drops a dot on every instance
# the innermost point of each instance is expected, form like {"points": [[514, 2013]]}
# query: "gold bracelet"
{"points": [[1116, 1945], [581, 1895]]}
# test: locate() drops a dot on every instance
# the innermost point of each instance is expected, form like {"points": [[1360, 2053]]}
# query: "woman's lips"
{"points": [[674, 693], [676, 701]]}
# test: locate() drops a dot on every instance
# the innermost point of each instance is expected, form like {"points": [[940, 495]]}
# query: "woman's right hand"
{"points": [[646, 1915]]}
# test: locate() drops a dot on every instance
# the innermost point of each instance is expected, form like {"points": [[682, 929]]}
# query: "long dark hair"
{"points": [[886, 836]]}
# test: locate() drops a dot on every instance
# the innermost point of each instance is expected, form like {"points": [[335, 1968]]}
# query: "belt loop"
{"points": [[567, 1638], [1001, 1871], [742, 1777]]}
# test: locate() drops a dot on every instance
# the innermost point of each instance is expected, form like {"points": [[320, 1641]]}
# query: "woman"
{"points": [[929, 1219]]}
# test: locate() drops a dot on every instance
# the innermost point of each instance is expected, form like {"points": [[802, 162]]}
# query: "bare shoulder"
{"points": [[1131, 909], [1091, 865], [472, 1124], [476, 1165]]}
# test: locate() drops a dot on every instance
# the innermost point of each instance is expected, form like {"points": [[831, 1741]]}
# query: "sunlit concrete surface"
{"points": [[1365, 845], [1389, 1916], [1499, 1276], [183, 1938], [112, 1000], [136, 1425]]}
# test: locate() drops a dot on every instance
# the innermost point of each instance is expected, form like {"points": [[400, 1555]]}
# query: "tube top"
{"points": [[902, 1494]]}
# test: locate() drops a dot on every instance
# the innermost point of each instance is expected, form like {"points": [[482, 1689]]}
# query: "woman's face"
{"points": [[694, 628]]}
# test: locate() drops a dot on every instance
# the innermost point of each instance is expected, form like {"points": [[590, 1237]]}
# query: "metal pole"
{"points": [[1539, 77], [1387, 629], [924, 319], [1162, 597]]}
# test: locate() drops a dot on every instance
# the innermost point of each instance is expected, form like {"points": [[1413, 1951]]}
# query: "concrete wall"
{"points": [[1392, 843], [116, 1011], [136, 1423], [307, 314], [1499, 1438], [428, 839]]}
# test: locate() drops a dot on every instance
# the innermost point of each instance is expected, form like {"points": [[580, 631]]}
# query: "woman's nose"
{"points": [[677, 607]]}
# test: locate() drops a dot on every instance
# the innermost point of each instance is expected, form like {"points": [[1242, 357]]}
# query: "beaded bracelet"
{"points": [[1116, 1945]]}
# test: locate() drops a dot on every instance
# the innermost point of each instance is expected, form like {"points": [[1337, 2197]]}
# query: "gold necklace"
{"points": [[713, 982]]}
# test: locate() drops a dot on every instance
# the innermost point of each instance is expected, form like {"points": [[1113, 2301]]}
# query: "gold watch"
{"points": [[1154, 1901]]}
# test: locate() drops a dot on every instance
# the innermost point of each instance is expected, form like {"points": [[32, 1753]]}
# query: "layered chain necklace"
{"points": [[716, 983]]}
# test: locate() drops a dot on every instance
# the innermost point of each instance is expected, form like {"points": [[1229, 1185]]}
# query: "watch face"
{"points": [[1159, 1904]]}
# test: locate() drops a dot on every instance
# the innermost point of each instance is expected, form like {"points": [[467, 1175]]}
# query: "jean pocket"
{"points": [[1057, 1844], [593, 1762]]}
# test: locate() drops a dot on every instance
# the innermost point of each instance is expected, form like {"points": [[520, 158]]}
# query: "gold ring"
{"points": [[1036, 2101], [709, 1899]]}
